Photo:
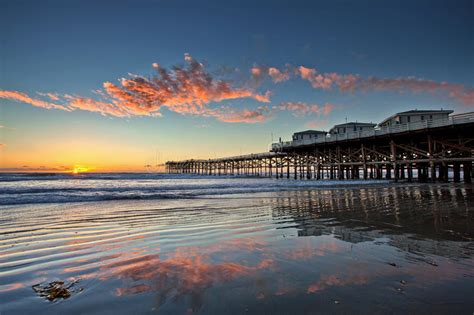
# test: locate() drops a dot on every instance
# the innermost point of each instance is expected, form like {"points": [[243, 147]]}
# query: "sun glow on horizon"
{"points": [[80, 169]]}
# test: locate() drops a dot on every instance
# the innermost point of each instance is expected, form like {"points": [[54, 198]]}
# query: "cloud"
{"points": [[462, 94], [277, 75], [52, 96], [301, 108], [2, 145], [351, 83], [190, 89], [185, 90], [259, 73], [306, 73], [24, 98], [356, 83], [91, 105], [260, 114], [328, 108]]}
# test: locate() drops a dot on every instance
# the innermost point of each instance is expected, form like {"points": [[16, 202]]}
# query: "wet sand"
{"points": [[365, 249]]}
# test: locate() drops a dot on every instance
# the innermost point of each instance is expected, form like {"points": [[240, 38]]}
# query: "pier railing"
{"points": [[379, 131]]}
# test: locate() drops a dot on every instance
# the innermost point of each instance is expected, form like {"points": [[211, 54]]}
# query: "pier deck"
{"points": [[436, 150]]}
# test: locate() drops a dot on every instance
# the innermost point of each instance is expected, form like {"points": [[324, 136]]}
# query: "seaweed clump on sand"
{"points": [[55, 290]]}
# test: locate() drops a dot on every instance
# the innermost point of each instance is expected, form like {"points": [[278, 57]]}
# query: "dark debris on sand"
{"points": [[56, 290]]}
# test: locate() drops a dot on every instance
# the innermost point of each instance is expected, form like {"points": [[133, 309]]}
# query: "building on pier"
{"points": [[414, 116], [351, 127], [437, 149], [309, 135]]}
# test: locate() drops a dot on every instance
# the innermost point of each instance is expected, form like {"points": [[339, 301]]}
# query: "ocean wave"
{"points": [[98, 187]]}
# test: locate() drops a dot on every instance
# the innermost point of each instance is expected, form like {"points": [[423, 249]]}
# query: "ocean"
{"points": [[179, 244]]}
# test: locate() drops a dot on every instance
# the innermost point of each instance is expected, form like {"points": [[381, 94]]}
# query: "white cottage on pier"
{"points": [[413, 116], [351, 127], [309, 135]]}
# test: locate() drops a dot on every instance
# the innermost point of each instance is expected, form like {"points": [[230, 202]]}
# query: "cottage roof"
{"points": [[310, 132], [418, 111], [354, 123]]}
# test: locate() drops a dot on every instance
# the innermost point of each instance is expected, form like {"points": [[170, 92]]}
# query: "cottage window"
{"points": [[408, 118], [422, 117]]}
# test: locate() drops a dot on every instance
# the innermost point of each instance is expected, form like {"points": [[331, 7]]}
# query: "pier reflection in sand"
{"points": [[383, 248]]}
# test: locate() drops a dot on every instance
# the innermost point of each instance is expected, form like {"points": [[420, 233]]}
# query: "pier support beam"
{"points": [[467, 166]]}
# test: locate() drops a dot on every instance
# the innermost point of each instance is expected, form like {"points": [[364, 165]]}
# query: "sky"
{"points": [[118, 85]]}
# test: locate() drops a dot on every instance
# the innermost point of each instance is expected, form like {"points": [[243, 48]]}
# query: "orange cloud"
{"points": [[184, 90], [24, 98], [89, 104]]}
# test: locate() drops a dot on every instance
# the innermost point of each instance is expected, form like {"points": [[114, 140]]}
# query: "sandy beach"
{"points": [[387, 248]]}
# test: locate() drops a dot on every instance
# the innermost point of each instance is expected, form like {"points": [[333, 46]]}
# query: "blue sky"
{"points": [[73, 47]]}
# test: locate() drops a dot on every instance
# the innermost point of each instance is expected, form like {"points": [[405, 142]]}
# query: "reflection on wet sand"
{"points": [[404, 245]]}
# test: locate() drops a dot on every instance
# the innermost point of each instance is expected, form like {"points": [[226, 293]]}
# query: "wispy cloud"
{"points": [[301, 108], [352, 83], [355, 83], [52, 96], [260, 114], [24, 98]]}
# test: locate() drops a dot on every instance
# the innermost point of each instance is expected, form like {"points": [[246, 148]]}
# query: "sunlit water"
{"points": [[181, 244]]}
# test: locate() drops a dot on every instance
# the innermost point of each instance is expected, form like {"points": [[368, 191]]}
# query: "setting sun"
{"points": [[79, 169]]}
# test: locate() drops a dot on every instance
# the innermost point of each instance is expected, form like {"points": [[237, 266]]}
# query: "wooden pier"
{"points": [[429, 151]]}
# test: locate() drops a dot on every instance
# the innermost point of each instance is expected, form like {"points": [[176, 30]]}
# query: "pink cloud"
{"points": [[328, 108], [277, 75], [306, 73], [261, 72], [459, 92], [355, 83], [256, 71], [184, 90], [24, 98]]}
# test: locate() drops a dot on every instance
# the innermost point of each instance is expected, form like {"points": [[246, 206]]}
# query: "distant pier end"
{"points": [[418, 144]]}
